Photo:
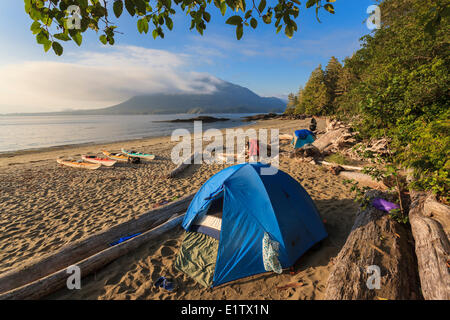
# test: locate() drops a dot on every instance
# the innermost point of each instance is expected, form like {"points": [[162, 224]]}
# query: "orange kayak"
{"points": [[116, 156], [102, 161], [79, 164]]}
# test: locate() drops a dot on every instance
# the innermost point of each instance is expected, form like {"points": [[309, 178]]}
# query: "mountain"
{"points": [[228, 98]]}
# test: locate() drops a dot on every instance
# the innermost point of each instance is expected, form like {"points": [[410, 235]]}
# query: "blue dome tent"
{"points": [[302, 137], [228, 217]]}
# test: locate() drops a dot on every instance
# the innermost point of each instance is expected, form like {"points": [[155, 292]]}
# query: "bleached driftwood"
{"points": [[334, 140], [362, 178], [57, 280], [346, 167], [81, 249], [431, 244], [286, 137], [183, 165], [374, 240]]}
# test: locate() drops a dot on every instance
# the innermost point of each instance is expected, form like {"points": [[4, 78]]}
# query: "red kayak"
{"points": [[103, 161]]}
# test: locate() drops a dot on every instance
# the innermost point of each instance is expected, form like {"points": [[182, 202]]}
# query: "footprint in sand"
{"points": [[167, 251]]}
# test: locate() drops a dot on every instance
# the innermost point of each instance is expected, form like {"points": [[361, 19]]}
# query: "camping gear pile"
{"points": [[302, 137], [244, 222]]}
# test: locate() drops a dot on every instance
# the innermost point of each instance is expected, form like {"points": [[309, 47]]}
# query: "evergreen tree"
{"points": [[292, 103], [315, 98], [332, 72], [299, 108]]}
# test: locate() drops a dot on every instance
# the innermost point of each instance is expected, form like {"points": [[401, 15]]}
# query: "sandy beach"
{"points": [[44, 206]]}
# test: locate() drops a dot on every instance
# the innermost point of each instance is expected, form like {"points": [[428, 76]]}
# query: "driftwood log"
{"points": [[57, 280], [430, 224], [375, 240], [81, 249], [364, 179], [334, 140], [346, 167], [183, 165]]}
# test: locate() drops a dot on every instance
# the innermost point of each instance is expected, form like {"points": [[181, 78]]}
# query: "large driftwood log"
{"points": [[432, 245], [375, 240], [183, 165], [81, 249], [328, 139], [55, 281]]}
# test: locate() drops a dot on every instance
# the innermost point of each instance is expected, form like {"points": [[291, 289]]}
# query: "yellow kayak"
{"points": [[79, 164], [116, 156]]}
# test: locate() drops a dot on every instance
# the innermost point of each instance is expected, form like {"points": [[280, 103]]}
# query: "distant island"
{"points": [[227, 98], [205, 119]]}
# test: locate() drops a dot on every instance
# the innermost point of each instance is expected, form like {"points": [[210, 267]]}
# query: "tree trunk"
{"points": [[375, 241], [430, 224], [55, 281], [76, 251]]}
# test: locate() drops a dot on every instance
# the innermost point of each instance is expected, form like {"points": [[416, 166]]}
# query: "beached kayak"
{"points": [[102, 161], [79, 164], [116, 156], [136, 154]]}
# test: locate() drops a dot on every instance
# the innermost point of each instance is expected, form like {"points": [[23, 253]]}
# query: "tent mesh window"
{"points": [[198, 252]]}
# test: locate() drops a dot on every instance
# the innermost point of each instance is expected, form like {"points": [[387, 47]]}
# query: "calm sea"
{"points": [[31, 132]]}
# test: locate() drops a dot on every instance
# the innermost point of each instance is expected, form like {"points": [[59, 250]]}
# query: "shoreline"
{"points": [[10, 154]]}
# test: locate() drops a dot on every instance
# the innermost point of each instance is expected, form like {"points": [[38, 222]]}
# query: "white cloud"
{"points": [[97, 79]]}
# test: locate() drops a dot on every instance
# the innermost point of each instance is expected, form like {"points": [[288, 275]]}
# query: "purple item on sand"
{"points": [[384, 205]]}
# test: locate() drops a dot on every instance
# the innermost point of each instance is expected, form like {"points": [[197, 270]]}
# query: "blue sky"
{"points": [[268, 63]]}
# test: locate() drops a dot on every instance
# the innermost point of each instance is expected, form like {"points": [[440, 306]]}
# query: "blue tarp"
{"points": [[254, 204]]}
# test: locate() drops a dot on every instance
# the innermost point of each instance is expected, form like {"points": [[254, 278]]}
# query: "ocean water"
{"points": [[34, 132]]}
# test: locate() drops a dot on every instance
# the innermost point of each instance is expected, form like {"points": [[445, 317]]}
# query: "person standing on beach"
{"points": [[313, 125]]}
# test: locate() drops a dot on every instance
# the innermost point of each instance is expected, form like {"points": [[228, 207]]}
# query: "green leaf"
{"points": [[140, 5], [145, 24], [47, 45], [262, 6], [223, 7], [78, 38], [206, 16], [234, 20], [103, 39], [118, 8], [62, 36], [131, 7], [279, 28], [310, 3], [35, 27], [57, 48], [289, 31], [253, 23], [239, 31], [140, 26], [169, 23], [42, 37], [329, 8], [155, 34]]}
